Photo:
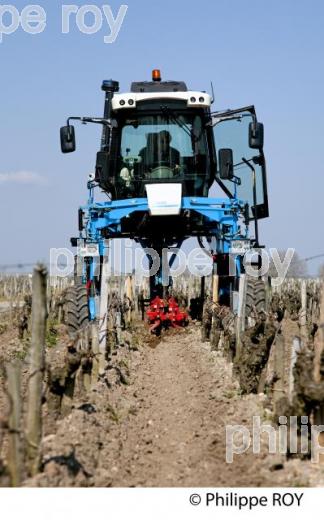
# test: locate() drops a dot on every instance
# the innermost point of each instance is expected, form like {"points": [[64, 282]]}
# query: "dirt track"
{"points": [[176, 437], [162, 423]]}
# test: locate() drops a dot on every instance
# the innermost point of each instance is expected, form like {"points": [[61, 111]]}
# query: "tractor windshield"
{"points": [[162, 147]]}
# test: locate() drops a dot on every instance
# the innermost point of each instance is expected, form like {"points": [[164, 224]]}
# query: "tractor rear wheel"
{"points": [[76, 308], [255, 302]]}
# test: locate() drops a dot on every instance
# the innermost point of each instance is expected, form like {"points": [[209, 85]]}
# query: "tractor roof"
{"points": [[194, 99], [160, 90], [159, 86]]}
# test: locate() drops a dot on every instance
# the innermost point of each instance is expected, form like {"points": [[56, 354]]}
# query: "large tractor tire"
{"points": [[76, 308], [255, 302]]}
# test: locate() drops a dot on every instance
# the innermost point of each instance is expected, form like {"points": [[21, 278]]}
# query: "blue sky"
{"points": [[256, 52]]}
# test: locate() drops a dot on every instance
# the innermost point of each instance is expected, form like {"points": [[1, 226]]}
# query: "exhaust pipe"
{"points": [[109, 87]]}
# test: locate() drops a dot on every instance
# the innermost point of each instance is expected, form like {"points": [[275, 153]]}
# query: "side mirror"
{"points": [[256, 135], [68, 139], [226, 163]]}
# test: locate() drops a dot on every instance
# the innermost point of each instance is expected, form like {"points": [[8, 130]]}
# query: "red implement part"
{"points": [[177, 317], [161, 313], [88, 287], [156, 313]]}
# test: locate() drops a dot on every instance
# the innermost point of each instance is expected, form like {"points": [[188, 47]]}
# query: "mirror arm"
{"points": [[235, 180], [258, 159], [226, 115], [95, 120]]}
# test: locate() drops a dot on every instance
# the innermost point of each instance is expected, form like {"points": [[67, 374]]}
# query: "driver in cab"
{"points": [[159, 158]]}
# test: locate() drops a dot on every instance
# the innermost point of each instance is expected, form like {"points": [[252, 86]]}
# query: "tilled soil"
{"points": [[163, 424]]}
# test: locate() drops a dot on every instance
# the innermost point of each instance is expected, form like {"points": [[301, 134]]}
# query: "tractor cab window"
{"points": [[232, 131], [162, 147]]}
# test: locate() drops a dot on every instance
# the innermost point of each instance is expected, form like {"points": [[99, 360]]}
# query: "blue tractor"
{"points": [[171, 169]]}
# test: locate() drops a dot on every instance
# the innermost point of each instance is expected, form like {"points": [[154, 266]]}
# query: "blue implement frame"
{"points": [[222, 214]]}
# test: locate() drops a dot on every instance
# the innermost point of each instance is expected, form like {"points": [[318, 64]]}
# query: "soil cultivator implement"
{"points": [[164, 314]]}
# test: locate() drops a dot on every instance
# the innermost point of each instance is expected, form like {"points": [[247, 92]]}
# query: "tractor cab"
{"points": [[158, 136], [162, 133]]}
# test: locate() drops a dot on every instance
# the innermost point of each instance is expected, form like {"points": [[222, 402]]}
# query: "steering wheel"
{"points": [[161, 172], [162, 169]]}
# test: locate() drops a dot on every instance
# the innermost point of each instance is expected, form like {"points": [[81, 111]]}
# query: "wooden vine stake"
{"points": [[15, 454], [36, 370]]}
